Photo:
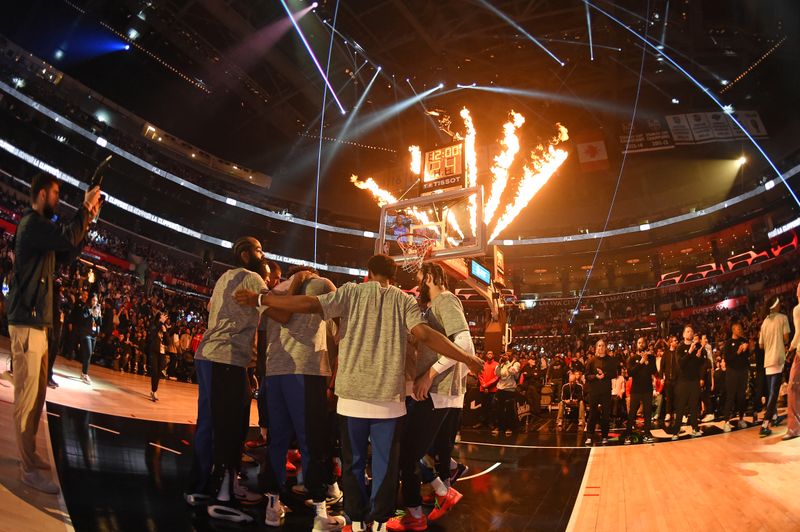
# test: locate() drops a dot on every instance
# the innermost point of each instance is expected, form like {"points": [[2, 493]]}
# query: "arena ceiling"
{"points": [[248, 91]]}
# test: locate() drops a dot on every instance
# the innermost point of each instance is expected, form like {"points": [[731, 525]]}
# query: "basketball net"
{"points": [[415, 249]]}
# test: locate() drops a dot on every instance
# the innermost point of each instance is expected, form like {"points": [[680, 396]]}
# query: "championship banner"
{"points": [[701, 128], [651, 134], [443, 169]]}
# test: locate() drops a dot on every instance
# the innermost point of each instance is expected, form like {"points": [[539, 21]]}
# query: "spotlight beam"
{"points": [[664, 27], [313, 57], [589, 29], [377, 118], [706, 91], [321, 129], [519, 28], [425, 109], [542, 95], [353, 112], [579, 43]]}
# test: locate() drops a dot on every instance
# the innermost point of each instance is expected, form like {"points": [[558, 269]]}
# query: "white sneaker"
{"points": [[153, 397], [685, 419], [86, 380], [221, 510], [726, 427], [331, 499], [696, 434], [336, 522], [742, 424], [196, 499], [275, 514], [38, 481]]}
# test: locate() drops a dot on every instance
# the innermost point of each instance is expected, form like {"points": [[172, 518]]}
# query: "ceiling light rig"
{"points": [[727, 86]]}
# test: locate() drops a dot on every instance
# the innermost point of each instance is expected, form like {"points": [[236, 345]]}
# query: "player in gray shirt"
{"points": [[221, 361], [375, 320]]}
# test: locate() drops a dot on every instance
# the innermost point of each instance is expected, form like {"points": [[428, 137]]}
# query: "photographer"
{"points": [[40, 245]]}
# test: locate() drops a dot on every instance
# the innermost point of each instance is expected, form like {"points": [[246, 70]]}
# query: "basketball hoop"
{"points": [[415, 249]]}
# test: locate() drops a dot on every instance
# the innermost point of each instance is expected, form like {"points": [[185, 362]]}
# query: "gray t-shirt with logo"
{"points": [[231, 334], [299, 347], [373, 329]]}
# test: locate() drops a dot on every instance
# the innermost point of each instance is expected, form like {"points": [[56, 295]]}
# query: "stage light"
{"points": [[728, 109], [102, 116], [127, 47], [19, 83], [59, 55], [724, 82], [644, 227], [133, 34], [101, 142], [676, 101], [314, 5], [441, 85], [741, 160]]}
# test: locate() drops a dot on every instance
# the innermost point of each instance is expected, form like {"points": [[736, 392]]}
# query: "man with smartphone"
{"points": [[40, 245]]}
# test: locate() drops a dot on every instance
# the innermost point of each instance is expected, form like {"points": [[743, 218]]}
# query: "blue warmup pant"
{"points": [[297, 405], [203, 441], [384, 435]]}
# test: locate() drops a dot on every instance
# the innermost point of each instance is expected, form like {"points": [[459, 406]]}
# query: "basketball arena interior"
{"points": [[448, 265]]}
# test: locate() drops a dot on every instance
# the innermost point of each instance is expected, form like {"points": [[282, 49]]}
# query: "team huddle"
{"points": [[392, 368]]}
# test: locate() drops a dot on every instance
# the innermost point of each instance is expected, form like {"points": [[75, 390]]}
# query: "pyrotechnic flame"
{"points": [[471, 163], [502, 163], [383, 197], [416, 160], [544, 163]]}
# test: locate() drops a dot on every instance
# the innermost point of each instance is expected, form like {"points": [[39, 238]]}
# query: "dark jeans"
{"points": [[52, 350], [773, 387], [687, 402], [384, 435], [155, 367], [646, 400], [487, 407], [599, 405], [230, 396], [506, 409], [735, 392], [87, 349], [423, 423]]}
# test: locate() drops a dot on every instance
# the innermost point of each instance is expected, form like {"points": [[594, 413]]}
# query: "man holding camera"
{"points": [[641, 368], [40, 245], [687, 387]]}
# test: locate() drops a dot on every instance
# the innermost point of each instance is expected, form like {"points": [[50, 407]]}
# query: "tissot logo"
{"points": [[441, 183]]}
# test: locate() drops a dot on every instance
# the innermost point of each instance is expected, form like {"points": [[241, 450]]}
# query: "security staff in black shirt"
{"points": [[641, 369], [599, 372]]}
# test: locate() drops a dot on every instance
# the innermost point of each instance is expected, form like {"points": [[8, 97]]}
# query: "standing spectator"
{"points": [[507, 371], [642, 369], [599, 372], [687, 387], [89, 317], [155, 345], [40, 245], [669, 376], [736, 365], [488, 388], [773, 338]]}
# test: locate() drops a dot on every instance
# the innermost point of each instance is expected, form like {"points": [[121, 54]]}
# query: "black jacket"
{"points": [[641, 374], [40, 245], [608, 365]]}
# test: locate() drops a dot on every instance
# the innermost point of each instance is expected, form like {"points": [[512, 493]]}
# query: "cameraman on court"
{"points": [[40, 245]]}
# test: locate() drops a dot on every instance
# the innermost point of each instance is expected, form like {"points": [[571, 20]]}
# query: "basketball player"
{"points": [[439, 391], [297, 373], [370, 382], [224, 393]]}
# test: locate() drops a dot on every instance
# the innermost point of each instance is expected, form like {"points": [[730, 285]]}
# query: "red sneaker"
{"points": [[291, 469], [293, 456], [255, 444], [444, 503], [407, 522]]}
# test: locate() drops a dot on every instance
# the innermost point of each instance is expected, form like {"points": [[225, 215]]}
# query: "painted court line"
{"points": [[165, 448], [573, 518], [485, 471], [53, 414], [103, 428]]}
